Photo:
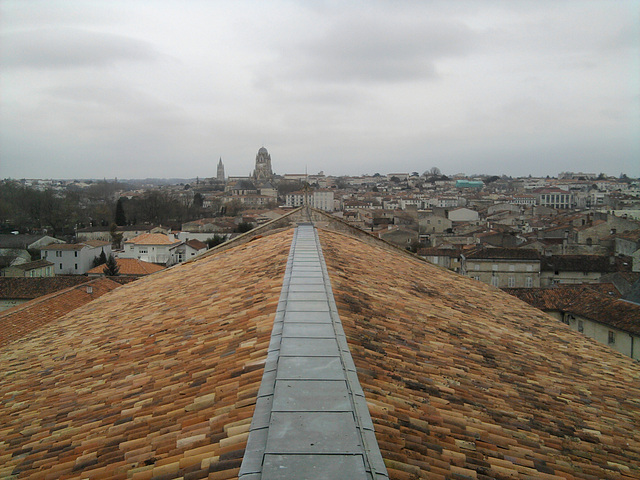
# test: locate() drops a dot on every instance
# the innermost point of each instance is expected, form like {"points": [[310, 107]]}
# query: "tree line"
{"points": [[61, 212]]}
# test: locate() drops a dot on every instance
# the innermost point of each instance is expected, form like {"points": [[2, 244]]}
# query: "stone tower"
{"points": [[220, 175], [263, 172]]}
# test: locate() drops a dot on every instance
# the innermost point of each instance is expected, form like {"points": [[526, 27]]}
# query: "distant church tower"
{"points": [[220, 175], [263, 170]]}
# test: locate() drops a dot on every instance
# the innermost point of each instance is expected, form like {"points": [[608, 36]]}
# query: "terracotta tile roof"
{"points": [[28, 288], [96, 243], [584, 301], [33, 265], [197, 244], [64, 246], [152, 239], [463, 381], [22, 319], [130, 266], [148, 381]]}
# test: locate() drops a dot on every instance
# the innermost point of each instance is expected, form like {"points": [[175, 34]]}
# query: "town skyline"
{"points": [[143, 89]]}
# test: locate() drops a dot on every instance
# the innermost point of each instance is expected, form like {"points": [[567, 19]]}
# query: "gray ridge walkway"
{"points": [[311, 419]]}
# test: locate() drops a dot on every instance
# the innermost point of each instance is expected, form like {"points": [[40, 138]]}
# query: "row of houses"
{"points": [[79, 258], [524, 267]]}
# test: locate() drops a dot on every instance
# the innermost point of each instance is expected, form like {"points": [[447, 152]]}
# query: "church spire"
{"points": [[220, 175]]}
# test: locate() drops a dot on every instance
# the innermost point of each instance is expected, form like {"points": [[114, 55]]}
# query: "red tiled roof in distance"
{"points": [[585, 301], [197, 244], [464, 381], [156, 380], [22, 319], [152, 239], [28, 288], [129, 266]]}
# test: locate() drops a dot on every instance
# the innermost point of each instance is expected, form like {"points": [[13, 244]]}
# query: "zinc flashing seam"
{"points": [[312, 385]]}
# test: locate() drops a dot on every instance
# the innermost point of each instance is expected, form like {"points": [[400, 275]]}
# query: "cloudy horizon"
{"points": [[141, 88]]}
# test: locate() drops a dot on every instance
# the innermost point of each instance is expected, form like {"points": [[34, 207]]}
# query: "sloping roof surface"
{"points": [[130, 266], [158, 379], [463, 382], [28, 288], [22, 319], [65, 246], [152, 239], [586, 302], [33, 265]]}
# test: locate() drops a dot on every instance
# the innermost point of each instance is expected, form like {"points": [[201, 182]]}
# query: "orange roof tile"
{"points": [[157, 379], [130, 266], [152, 239]]}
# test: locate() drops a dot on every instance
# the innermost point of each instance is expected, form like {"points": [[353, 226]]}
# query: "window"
{"points": [[494, 267], [495, 281], [143, 250], [512, 282], [512, 268], [45, 254], [580, 326], [76, 266], [476, 267], [528, 282], [476, 278], [529, 268], [567, 318], [75, 254], [60, 266], [612, 337]]}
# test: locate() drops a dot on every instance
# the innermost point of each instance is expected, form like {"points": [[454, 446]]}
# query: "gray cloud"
{"points": [[70, 47], [366, 48]]}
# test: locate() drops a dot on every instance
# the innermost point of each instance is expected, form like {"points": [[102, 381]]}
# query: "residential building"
{"points": [[37, 268], [320, 199], [573, 269], [502, 267], [445, 257], [151, 247], [184, 251], [433, 223], [601, 316], [463, 215], [74, 258], [554, 198], [26, 242]]}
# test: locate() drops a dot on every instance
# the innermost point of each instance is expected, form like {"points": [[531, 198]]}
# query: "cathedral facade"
{"points": [[263, 172]]}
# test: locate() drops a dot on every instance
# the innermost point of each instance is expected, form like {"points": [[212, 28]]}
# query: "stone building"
{"points": [[263, 171]]}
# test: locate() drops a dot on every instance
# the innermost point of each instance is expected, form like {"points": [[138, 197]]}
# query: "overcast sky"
{"points": [[152, 88]]}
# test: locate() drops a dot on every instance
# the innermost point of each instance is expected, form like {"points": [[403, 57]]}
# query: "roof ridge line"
{"points": [[311, 413]]}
